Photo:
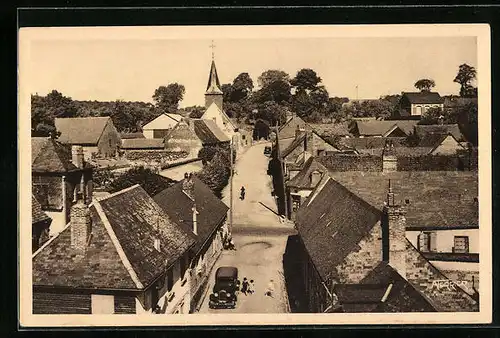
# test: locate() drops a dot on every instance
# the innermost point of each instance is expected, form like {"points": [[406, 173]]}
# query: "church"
{"points": [[215, 108]]}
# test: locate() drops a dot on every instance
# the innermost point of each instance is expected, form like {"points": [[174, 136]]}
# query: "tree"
{"points": [[241, 88], [44, 109], [306, 79], [207, 153], [273, 75], [167, 98], [215, 174], [151, 182], [271, 112], [432, 116], [425, 85], [195, 112], [466, 74]]}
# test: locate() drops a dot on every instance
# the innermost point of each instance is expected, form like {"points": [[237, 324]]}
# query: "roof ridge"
{"points": [[119, 192], [118, 247]]}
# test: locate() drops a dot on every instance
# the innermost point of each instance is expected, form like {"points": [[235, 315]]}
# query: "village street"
{"points": [[259, 237]]}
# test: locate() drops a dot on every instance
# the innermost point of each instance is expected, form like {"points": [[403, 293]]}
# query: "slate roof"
{"points": [[50, 156], [302, 179], [452, 129], [440, 199], [81, 130], [296, 142], [130, 216], [213, 85], [424, 97], [37, 214], [179, 206], [208, 132], [381, 128], [143, 143], [331, 222], [360, 294]]}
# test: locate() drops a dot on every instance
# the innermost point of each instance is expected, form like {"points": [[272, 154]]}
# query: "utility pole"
{"points": [[231, 187]]}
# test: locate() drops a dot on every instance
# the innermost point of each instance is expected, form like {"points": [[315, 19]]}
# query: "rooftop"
{"points": [[50, 156], [424, 97], [209, 132], [143, 143], [81, 130]]}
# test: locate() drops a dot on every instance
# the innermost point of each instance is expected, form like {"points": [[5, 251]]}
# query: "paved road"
{"points": [[259, 237]]}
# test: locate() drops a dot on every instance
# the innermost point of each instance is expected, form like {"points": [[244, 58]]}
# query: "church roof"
{"points": [[213, 86]]}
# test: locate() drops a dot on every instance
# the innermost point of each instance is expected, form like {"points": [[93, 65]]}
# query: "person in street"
{"points": [[244, 286], [270, 289], [251, 287], [242, 193]]}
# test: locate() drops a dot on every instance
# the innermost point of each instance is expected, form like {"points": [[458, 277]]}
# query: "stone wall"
{"points": [[429, 163], [363, 260], [348, 162], [155, 156]]}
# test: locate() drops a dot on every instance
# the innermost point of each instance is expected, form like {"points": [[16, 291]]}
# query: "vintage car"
{"points": [[225, 289], [267, 151]]}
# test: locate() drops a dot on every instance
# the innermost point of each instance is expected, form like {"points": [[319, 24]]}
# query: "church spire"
{"points": [[213, 86]]}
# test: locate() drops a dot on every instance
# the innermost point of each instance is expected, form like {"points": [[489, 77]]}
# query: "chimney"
{"points": [[298, 131], [394, 236], [77, 156], [188, 185], [195, 220], [81, 224], [389, 159]]}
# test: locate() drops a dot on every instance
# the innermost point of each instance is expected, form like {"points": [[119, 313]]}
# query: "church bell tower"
{"points": [[214, 92]]}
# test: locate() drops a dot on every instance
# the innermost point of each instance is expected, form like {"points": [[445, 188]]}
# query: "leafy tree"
{"points": [[273, 75], [306, 79], [195, 112], [432, 116], [241, 88], [271, 112], [215, 174], [466, 116], [425, 85], [167, 98], [412, 140], [151, 182], [466, 74], [277, 91], [44, 109], [207, 153]]}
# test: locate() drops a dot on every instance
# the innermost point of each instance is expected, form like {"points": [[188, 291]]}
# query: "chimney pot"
{"points": [[77, 156]]}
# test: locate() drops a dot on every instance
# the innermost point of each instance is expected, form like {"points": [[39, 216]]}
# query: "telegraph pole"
{"points": [[231, 187]]}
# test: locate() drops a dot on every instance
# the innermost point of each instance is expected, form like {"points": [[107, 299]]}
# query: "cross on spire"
{"points": [[212, 46]]}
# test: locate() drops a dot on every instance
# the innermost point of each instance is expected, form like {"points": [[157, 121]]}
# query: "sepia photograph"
{"points": [[254, 175]]}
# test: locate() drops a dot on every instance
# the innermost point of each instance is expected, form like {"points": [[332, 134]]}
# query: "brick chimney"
{"points": [[188, 185], [195, 219], [81, 224], [77, 156], [394, 236], [389, 159]]}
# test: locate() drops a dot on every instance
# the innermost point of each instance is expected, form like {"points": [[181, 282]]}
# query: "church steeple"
{"points": [[213, 93], [213, 86]]}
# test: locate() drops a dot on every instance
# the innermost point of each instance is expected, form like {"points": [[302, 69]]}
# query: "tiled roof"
{"points": [[182, 131], [81, 130], [124, 136], [330, 129], [37, 144], [51, 156], [143, 143], [132, 218], [179, 207], [287, 130], [37, 213], [209, 132], [424, 97], [291, 147], [360, 293], [452, 129], [331, 222], [302, 179], [431, 140], [436, 198]]}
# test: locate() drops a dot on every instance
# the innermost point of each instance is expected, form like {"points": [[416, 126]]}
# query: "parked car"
{"points": [[226, 287], [267, 151]]}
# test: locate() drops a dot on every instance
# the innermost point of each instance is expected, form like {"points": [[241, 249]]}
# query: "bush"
{"points": [[215, 174], [145, 177]]}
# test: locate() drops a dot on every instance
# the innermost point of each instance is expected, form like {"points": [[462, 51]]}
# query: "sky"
{"points": [[97, 67]]}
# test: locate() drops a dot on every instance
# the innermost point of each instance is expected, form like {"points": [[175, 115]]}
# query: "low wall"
{"points": [[155, 156]]}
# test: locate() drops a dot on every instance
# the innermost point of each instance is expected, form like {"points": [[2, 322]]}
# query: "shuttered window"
{"points": [[427, 241], [461, 244]]}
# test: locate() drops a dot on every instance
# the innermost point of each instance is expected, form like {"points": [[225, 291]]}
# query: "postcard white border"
{"points": [[481, 31]]}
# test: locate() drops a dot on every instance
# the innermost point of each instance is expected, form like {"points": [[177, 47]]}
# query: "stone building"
{"points": [[353, 252], [416, 104], [193, 205], [121, 254], [58, 173], [97, 135], [160, 126]]}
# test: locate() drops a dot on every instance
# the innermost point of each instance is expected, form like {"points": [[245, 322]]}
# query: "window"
{"points": [[295, 203], [427, 241], [170, 279], [321, 152], [461, 244]]}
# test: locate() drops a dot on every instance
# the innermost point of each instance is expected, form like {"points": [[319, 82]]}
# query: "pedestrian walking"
{"points": [[270, 289], [244, 286], [242, 193], [251, 287]]}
